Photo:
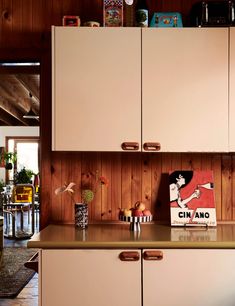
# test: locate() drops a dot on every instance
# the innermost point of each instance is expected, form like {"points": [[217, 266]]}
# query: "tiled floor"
{"points": [[27, 297]]}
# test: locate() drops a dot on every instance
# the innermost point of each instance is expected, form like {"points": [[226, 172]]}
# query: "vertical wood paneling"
{"points": [[56, 182], [216, 167], [226, 188], [116, 187], [1, 20], [91, 164], [92, 10], [166, 162], [156, 179], [6, 38], [106, 192], [176, 162], [146, 179], [171, 6], [186, 161], [136, 179], [163, 210], [196, 161], [38, 16], [27, 23], [75, 164], [96, 205], [57, 8], [126, 179], [206, 161], [67, 204], [68, 8], [46, 27], [17, 20]]}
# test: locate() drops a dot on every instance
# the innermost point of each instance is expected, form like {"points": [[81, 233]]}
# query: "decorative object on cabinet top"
{"points": [[113, 13], [166, 20], [212, 13], [89, 185], [71, 21], [91, 24]]}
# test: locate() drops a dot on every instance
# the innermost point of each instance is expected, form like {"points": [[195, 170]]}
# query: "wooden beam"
{"points": [[15, 92], [6, 94], [31, 83], [13, 111], [9, 120], [2, 123]]}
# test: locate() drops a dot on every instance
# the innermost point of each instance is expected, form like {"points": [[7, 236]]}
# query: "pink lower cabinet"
{"points": [[166, 277], [90, 277], [189, 277]]}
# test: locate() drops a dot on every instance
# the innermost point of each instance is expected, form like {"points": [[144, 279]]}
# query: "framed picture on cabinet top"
{"points": [[71, 21], [113, 13], [192, 200]]}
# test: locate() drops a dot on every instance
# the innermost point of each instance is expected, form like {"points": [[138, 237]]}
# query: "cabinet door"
{"points": [[185, 89], [89, 277], [232, 91], [96, 88], [190, 278]]}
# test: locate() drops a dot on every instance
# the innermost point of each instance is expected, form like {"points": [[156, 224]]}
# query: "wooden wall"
{"points": [[138, 176], [25, 34]]}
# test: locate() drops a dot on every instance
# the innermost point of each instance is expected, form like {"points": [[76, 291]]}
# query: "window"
{"points": [[27, 150]]}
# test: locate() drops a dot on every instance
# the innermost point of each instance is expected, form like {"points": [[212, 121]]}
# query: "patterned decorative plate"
{"points": [[136, 219]]}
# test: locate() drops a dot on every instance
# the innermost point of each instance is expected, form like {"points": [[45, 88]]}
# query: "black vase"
{"points": [[81, 215], [8, 166]]}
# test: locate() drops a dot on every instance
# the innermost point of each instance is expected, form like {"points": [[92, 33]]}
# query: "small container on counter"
{"points": [[91, 24]]}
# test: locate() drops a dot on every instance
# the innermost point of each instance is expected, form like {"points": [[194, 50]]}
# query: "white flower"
{"points": [[65, 188]]}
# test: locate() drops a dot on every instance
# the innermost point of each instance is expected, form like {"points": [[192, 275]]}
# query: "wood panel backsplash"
{"points": [[137, 176]]}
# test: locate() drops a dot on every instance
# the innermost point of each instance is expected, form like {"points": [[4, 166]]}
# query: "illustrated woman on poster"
{"points": [[178, 180]]}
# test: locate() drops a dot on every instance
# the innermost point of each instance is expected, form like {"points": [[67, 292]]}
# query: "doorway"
{"points": [[19, 119]]}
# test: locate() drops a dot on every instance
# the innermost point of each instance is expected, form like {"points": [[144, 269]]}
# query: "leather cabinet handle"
{"points": [[130, 146], [152, 146], [153, 255], [129, 256]]}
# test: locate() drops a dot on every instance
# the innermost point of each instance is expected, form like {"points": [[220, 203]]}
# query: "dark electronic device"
{"points": [[212, 13]]}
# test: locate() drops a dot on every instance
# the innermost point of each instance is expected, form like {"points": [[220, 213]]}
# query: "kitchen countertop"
{"points": [[105, 236]]}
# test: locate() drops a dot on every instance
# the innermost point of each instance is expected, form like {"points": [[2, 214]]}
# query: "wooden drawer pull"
{"points": [[129, 256], [130, 146], [153, 255], [152, 146]]}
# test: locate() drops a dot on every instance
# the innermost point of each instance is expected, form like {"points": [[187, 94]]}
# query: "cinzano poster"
{"points": [[192, 198]]}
